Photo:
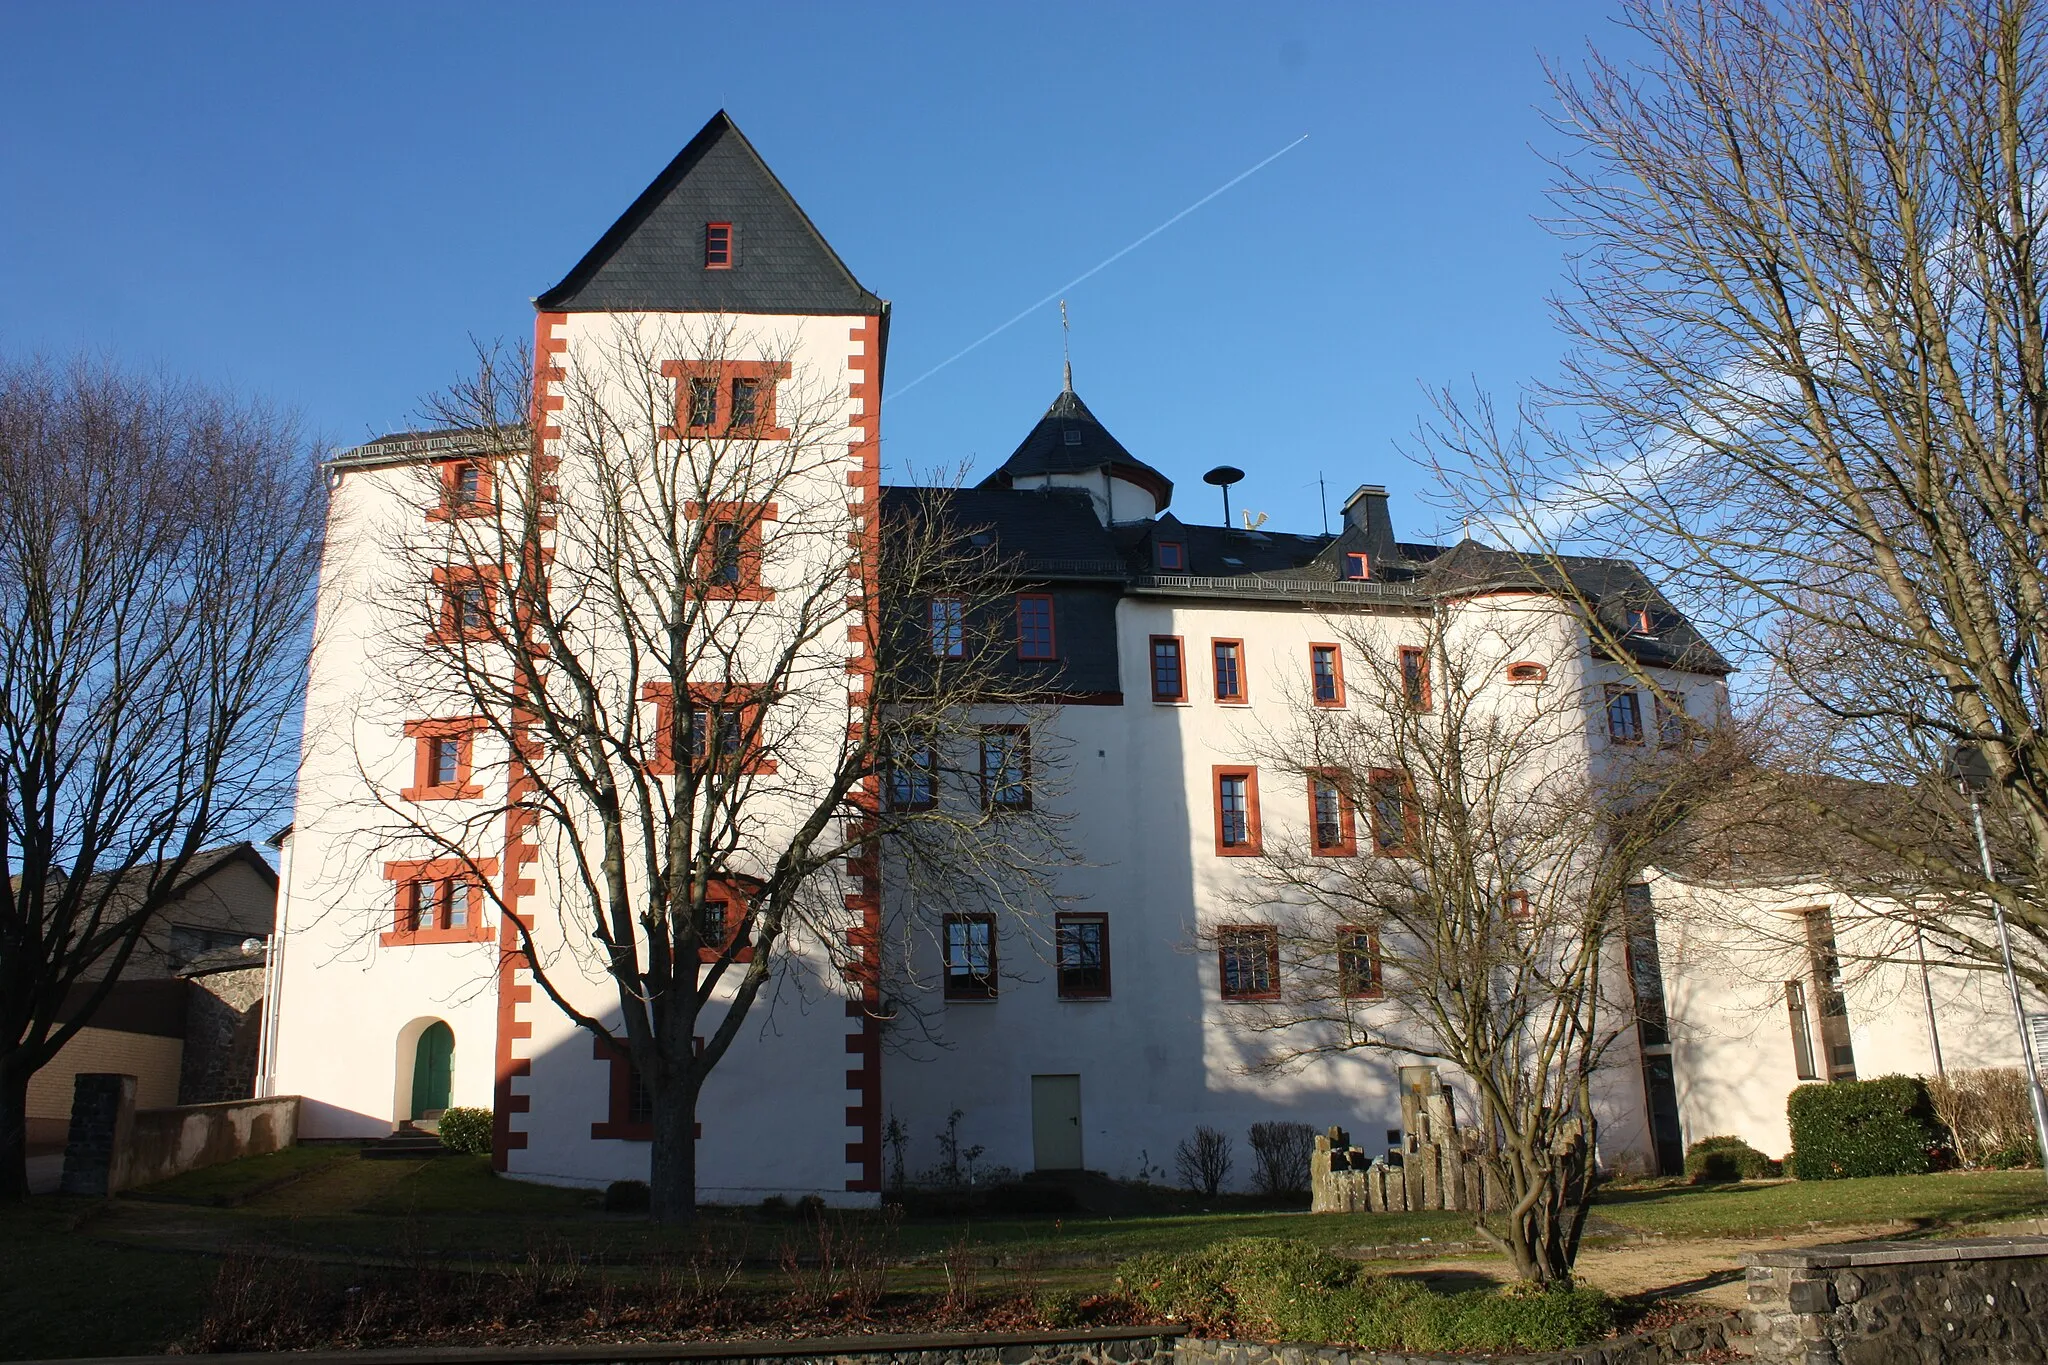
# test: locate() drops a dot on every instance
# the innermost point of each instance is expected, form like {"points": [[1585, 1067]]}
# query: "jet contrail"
{"points": [[1098, 268]]}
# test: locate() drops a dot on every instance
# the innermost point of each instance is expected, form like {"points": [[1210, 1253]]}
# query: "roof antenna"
{"points": [[1066, 350], [1222, 476], [1323, 499]]}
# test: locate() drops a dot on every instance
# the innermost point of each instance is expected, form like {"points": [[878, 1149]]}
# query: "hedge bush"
{"points": [[466, 1130], [1845, 1129], [1719, 1160], [1288, 1290]]}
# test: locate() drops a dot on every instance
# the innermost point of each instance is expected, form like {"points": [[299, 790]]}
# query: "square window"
{"points": [[1358, 963], [947, 620], [1169, 682], [1415, 679], [1005, 768], [1173, 556], [718, 246], [1083, 956], [1073, 436], [1326, 674], [715, 732], [1237, 812], [970, 948], [1357, 566], [1515, 904], [1229, 656], [1248, 962], [1624, 715], [1034, 626], [1639, 622]]}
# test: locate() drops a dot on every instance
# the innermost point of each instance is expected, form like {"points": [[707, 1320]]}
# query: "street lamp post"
{"points": [[1972, 775]]}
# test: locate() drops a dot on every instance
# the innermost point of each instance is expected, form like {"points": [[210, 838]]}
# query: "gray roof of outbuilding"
{"points": [[1047, 450], [652, 258]]}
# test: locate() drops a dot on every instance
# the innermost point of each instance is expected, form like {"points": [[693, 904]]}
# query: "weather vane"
{"points": [[1066, 350]]}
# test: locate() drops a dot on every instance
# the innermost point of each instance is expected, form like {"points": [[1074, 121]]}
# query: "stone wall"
{"points": [[114, 1146], [1437, 1166], [1865, 1303], [223, 1010], [1690, 1341]]}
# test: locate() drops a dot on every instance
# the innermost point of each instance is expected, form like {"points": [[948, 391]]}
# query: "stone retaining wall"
{"points": [[114, 1146], [1688, 1341], [1868, 1303]]}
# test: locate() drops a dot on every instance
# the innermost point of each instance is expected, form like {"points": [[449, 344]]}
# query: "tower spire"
{"points": [[1066, 350]]}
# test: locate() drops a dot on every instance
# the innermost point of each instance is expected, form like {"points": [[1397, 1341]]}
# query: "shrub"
{"points": [[1845, 1129], [1280, 1157], [626, 1196], [466, 1130], [1718, 1160], [1987, 1115], [1289, 1290], [1204, 1160], [1060, 1308]]}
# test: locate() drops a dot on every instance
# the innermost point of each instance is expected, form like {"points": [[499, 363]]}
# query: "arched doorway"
{"points": [[433, 1070]]}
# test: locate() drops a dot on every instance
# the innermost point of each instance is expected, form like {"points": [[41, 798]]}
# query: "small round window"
{"points": [[1527, 673]]}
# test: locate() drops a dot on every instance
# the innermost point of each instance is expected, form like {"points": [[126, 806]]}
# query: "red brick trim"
{"points": [[722, 373], [406, 877], [1336, 668], [747, 699], [461, 729], [452, 582], [618, 1120], [1347, 820], [1256, 842], [748, 517], [864, 975], [1527, 672], [451, 505]]}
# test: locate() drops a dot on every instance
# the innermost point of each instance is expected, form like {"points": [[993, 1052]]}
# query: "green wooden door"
{"points": [[433, 1066]]}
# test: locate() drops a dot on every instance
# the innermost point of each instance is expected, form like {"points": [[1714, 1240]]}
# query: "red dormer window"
{"points": [[718, 246], [1173, 556], [1357, 566], [1639, 622]]}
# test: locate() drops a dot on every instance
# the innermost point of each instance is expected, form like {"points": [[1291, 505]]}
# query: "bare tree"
{"points": [[646, 619], [1808, 383], [1204, 1160], [157, 550], [1458, 893]]}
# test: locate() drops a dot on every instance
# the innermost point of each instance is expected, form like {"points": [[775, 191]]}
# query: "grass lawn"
{"points": [[62, 1293], [1950, 1201], [232, 1182]]}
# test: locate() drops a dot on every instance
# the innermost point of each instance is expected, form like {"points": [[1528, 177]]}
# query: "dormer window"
{"points": [[1173, 556], [1639, 622], [1073, 436], [718, 246], [1357, 566]]}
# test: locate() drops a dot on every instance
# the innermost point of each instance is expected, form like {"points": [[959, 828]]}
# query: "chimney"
{"points": [[1366, 515]]}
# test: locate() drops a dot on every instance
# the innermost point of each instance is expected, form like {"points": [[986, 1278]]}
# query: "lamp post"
{"points": [[1971, 773]]}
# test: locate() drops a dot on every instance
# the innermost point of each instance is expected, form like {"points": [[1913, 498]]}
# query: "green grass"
{"points": [[62, 1293], [467, 1186], [1952, 1201], [232, 1182]]}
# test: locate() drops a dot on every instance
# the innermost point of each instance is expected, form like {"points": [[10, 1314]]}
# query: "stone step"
{"points": [[407, 1144]]}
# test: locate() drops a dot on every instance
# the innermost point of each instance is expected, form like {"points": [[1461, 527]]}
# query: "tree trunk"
{"points": [[672, 1165], [13, 1129]]}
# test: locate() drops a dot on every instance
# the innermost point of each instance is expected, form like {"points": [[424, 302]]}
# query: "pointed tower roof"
{"points": [[1070, 440], [653, 258]]}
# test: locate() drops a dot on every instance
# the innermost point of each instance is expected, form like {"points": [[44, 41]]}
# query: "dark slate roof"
{"points": [[1047, 450], [652, 258], [1229, 552], [1051, 531]]}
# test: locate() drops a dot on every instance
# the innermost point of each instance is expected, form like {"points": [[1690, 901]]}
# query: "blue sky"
{"points": [[323, 204]]}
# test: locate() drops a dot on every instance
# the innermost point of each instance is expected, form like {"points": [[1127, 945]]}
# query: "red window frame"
{"points": [[1172, 556], [748, 518], [1357, 566], [1254, 843], [1180, 668], [1351, 984], [1061, 924], [1528, 671], [990, 980], [453, 502], [723, 373], [1336, 699], [945, 620], [409, 876], [1257, 940], [1415, 689], [730, 893], [1240, 685], [744, 699], [620, 1122], [1021, 735], [1029, 645], [1625, 724], [1639, 621], [718, 252], [1346, 845], [454, 585], [1388, 842], [426, 735], [1515, 904]]}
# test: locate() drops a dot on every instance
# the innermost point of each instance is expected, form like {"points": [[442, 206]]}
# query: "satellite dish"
{"points": [[1224, 475]]}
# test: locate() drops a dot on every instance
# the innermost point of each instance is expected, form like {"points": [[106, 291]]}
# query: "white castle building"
{"points": [[1167, 645]]}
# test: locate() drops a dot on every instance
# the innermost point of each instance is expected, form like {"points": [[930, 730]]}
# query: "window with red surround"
{"points": [[1357, 566], [629, 1102], [721, 726], [1228, 656], [1248, 962], [467, 490], [1169, 678], [1528, 672], [1237, 811], [1515, 904], [724, 920], [439, 900], [725, 399], [729, 548], [1326, 675], [442, 758], [468, 605], [1082, 948], [969, 942], [1415, 678], [718, 246], [1358, 963], [1173, 556], [1035, 626], [1396, 823], [1332, 824]]}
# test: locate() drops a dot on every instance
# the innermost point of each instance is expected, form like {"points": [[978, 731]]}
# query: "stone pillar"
{"points": [[102, 1126]]}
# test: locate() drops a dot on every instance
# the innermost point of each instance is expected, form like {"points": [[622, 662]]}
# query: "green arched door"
{"points": [[433, 1066]]}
